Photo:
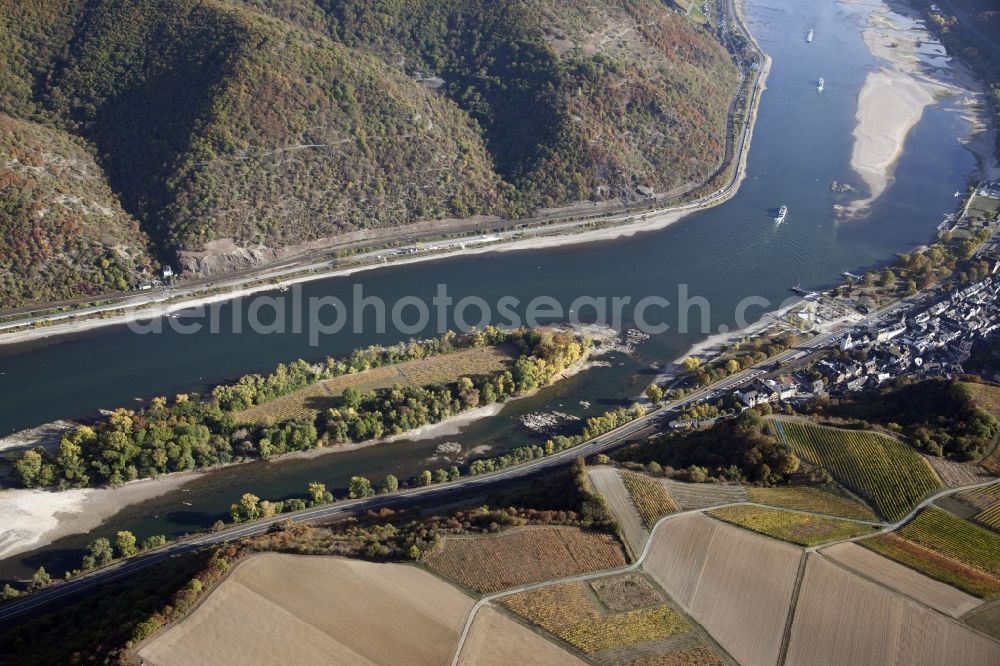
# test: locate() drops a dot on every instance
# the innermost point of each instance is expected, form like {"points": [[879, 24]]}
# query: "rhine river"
{"points": [[802, 142]]}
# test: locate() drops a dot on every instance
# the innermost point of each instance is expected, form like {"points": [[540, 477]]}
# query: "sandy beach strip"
{"points": [[890, 105]]}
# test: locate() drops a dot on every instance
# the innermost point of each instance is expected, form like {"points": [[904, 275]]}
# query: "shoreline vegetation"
{"points": [[607, 224], [142, 454]]}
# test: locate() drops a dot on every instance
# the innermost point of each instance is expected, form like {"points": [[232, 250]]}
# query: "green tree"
{"points": [[248, 508], [390, 484], [155, 541], [911, 287], [9, 592], [691, 363], [126, 543], [869, 279], [888, 278], [317, 491], [360, 487], [440, 476], [100, 554], [414, 552], [654, 392], [352, 397], [40, 579], [732, 366], [454, 474], [29, 468], [425, 478]]}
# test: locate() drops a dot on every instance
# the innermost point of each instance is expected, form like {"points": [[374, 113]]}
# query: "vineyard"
{"points": [[703, 495], [885, 471], [438, 369], [947, 548], [986, 503], [494, 563], [799, 528], [806, 498], [649, 496], [568, 612]]}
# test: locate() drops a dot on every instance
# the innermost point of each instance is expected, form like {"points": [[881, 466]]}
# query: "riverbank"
{"points": [[916, 75], [601, 228], [32, 518]]}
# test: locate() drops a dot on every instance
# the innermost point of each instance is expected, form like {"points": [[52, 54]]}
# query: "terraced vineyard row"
{"points": [[650, 497], [799, 528], [947, 548], [806, 498], [885, 471]]}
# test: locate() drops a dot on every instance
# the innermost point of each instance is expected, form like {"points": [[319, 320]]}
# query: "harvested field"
{"points": [[568, 612], [879, 468], [841, 618], [626, 592], [804, 529], [650, 497], [736, 584], [946, 548], [497, 640], [701, 656], [904, 580], [986, 619], [609, 484], [309, 609], [439, 369], [517, 557], [703, 495], [956, 474], [807, 498]]}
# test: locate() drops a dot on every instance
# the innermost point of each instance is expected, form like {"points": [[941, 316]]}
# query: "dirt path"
{"points": [[609, 484]]}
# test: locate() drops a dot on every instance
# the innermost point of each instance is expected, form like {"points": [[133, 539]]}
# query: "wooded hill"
{"points": [[262, 124]]}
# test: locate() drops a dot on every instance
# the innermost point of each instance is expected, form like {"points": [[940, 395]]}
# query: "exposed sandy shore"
{"points": [[30, 519], [893, 99]]}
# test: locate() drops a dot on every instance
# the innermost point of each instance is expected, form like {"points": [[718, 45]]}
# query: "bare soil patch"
{"points": [[497, 640], [311, 610], [842, 618]]}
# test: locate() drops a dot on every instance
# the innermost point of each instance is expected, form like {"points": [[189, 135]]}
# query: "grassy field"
{"points": [[439, 369], [799, 528], [698, 656], [568, 612], [948, 549], [807, 498], [649, 496], [882, 469], [309, 610], [987, 396], [494, 563]]}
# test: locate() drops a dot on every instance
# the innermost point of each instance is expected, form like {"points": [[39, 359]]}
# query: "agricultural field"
{"points": [[703, 495], [649, 496], [439, 369], [497, 640], [841, 618], [983, 505], [948, 549], [530, 555], [609, 484], [626, 592], [566, 611], [808, 498], [803, 529], [987, 396], [882, 469], [990, 516], [903, 579], [736, 584], [309, 609]]}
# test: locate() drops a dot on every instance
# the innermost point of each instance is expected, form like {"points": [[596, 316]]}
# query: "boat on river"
{"points": [[782, 212], [809, 36]]}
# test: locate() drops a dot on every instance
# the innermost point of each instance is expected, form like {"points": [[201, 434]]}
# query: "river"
{"points": [[801, 143]]}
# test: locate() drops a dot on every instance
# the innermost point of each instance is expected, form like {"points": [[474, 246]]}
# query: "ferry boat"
{"points": [[809, 36], [821, 84], [782, 212]]}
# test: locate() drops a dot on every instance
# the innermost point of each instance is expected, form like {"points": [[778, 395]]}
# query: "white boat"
{"points": [[809, 36], [782, 212], [821, 84]]}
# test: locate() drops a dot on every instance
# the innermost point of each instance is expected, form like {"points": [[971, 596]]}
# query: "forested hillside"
{"points": [[262, 124]]}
